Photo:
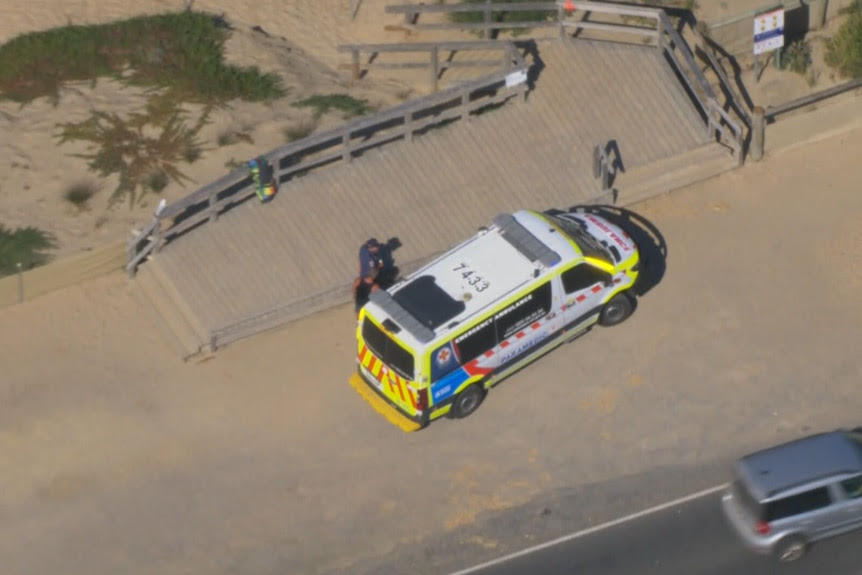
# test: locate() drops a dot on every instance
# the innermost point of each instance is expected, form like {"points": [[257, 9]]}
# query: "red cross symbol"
{"points": [[443, 355]]}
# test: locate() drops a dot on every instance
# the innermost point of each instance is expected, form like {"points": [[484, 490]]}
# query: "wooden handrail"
{"points": [[679, 44], [455, 103], [773, 111], [427, 46]]}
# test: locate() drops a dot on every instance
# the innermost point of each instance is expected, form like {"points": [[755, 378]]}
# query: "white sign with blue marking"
{"points": [[768, 31]]}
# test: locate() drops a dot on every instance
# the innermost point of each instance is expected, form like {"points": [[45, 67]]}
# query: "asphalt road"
{"points": [[687, 539]]}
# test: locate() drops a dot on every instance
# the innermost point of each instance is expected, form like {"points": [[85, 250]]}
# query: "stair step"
{"points": [[673, 173], [183, 335]]}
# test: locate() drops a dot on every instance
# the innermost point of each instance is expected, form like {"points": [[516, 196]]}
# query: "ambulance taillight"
{"points": [[422, 399]]}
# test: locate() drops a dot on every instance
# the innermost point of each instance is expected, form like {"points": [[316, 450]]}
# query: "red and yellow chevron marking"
{"points": [[394, 386]]}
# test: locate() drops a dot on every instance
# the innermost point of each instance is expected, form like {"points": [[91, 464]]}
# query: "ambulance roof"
{"points": [[474, 275]]}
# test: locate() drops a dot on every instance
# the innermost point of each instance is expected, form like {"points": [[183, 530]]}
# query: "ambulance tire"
{"points": [[467, 401], [617, 310]]}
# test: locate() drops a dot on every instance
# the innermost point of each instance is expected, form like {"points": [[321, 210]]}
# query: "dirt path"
{"points": [[117, 457]]}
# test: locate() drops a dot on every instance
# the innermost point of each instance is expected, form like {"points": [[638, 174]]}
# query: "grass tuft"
{"points": [[324, 103], [796, 56], [299, 131], [844, 50], [79, 194]]}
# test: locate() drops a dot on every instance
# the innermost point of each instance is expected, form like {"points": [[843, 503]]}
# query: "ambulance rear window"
{"points": [[427, 302], [393, 355]]}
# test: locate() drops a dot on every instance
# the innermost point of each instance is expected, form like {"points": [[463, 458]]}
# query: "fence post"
{"points": [[487, 19], [157, 237], [710, 117], [354, 63], [560, 16], [212, 207], [354, 8], [758, 133], [346, 155], [435, 63], [20, 282]]}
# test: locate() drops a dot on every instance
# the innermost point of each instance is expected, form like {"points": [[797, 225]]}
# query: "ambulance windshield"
{"points": [[590, 246]]}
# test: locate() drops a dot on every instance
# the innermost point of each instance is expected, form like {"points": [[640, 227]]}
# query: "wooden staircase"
{"points": [[672, 173], [180, 324]]}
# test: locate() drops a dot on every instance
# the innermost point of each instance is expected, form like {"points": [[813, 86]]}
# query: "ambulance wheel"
{"points": [[467, 401], [617, 310]]}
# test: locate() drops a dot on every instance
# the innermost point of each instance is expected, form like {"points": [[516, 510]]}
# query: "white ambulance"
{"points": [[436, 341]]}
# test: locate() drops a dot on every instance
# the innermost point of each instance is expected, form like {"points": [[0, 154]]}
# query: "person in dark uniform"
{"points": [[362, 288]]}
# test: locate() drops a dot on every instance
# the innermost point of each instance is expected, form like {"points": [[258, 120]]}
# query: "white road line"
{"points": [[591, 530]]}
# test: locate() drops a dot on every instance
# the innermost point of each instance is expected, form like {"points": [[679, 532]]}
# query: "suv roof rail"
{"points": [[812, 479], [522, 240], [401, 316]]}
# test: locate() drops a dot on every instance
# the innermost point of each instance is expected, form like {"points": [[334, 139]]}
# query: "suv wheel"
{"points": [[617, 310], [467, 401], [790, 549]]}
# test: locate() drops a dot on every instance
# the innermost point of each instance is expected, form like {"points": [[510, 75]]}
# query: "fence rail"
{"points": [[774, 111], [435, 63], [339, 144]]}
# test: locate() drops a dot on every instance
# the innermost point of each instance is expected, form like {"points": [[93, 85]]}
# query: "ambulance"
{"points": [[434, 343]]}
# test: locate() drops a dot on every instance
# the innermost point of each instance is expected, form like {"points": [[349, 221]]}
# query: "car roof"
{"points": [[517, 249], [805, 460]]}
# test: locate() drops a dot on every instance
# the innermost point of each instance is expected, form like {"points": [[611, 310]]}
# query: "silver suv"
{"points": [[784, 498]]}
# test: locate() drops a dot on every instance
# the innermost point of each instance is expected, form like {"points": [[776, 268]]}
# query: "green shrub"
{"points": [[796, 56], [844, 50], [25, 246], [502, 16], [156, 181], [181, 52], [348, 105], [79, 194]]}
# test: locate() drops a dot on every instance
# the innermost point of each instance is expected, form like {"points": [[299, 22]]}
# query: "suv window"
{"points": [[583, 276], [852, 487], [798, 504]]}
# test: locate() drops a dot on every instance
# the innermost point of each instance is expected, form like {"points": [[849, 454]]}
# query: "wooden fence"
{"points": [[434, 60], [600, 21], [339, 144]]}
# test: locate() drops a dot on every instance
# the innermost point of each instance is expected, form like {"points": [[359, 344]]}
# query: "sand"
{"points": [[117, 457]]}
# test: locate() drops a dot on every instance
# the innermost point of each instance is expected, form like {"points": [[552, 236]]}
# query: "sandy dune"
{"points": [[35, 169]]}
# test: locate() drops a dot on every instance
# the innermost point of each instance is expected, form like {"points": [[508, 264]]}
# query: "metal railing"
{"points": [[339, 144]]}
